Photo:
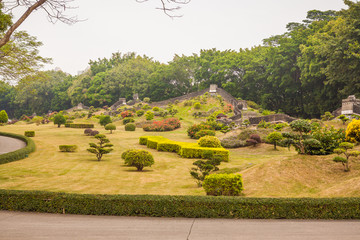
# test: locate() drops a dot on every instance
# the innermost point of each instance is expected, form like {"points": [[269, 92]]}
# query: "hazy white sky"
{"points": [[128, 26]]}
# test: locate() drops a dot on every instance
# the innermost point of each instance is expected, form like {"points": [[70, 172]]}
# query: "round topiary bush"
{"points": [[197, 105], [111, 127], [156, 109], [3, 116], [209, 141], [138, 158], [130, 127]]}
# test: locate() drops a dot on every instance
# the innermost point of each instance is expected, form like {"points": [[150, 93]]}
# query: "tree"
{"points": [[3, 116], [343, 149], [302, 128], [59, 119], [104, 120], [110, 127], [274, 138], [138, 158], [203, 168], [103, 147], [169, 6]]}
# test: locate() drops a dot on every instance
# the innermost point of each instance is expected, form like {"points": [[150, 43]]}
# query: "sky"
{"points": [[111, 26]]}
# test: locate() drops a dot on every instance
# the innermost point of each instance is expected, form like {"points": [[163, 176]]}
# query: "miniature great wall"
{"points": [[239, 106]]}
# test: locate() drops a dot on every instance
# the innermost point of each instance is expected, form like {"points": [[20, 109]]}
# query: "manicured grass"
{"points": [[266, 173]]}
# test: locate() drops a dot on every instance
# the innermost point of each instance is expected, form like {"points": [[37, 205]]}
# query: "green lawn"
{"points": [[266, 173]]}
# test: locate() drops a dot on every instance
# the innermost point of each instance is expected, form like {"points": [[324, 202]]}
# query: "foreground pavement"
{"points": [[19, 225]]}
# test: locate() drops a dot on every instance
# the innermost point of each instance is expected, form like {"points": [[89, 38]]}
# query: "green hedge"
{"points": [[68, 148], [181, 206], [29, 133], [18, 154], [223, 184], [184, 149], [79, 125]]}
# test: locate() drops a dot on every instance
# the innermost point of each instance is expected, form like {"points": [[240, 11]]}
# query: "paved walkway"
{"points": [[8, 144], [18, 225]]}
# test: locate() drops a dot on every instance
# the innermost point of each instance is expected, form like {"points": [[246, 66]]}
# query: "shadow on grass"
{"points": [[134, 170]]}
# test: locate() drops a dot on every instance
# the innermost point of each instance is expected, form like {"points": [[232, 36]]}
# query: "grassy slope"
{"points": [[266, 173]]}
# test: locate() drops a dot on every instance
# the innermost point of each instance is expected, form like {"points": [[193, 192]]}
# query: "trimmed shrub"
{"points": [[130, 127], [209, 142], [94, 133], [200, 152], [110, 127], [88, 131], [128, 120], [79, 125], [223, 184], [140, 113], [203, 133], [3, 116], [156, 109], [104, 120], [68, 148], [18, 154], [29, 133], [180, 206], [146, 99], [138, 159]]}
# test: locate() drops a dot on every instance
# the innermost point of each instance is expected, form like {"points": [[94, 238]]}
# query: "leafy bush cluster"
{"points": [[312, 139], [138, 158], [203, 133], [149, 115], [223, 184], [140, 112], [194, 129], [104, 120], [29, 133], [68, 148], [127, 114], [169, 124], [278, 126]]}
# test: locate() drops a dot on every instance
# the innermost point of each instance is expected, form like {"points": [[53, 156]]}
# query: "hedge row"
{"points": [[18, 154], [181, 206], [185, 150], [79, 125]]}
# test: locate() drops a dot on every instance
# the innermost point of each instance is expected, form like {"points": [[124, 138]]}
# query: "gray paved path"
{"points": [[18, 225], [8, 144]]}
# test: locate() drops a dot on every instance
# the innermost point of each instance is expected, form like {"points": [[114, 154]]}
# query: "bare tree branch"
{"points": [[169, 6], [54, 8]]}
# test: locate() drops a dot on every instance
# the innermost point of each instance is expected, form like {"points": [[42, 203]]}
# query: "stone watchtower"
{"points": [[350, 105]]}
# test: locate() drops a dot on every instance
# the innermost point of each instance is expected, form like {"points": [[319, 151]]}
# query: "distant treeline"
{"points": [[303, 72]]}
